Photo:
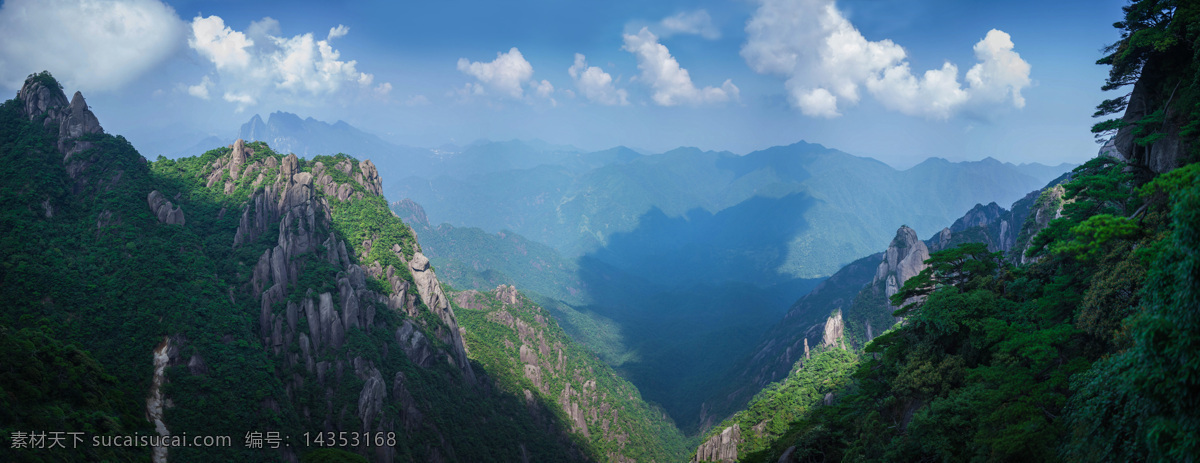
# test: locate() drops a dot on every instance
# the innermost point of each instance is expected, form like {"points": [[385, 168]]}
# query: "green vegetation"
{"points": [[1087, 354], [619, 422], [772, 410], [93, 282]]}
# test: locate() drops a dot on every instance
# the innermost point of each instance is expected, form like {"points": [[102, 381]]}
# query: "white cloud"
{"points": [[671, 83], [690, 22], [544, 89], [262, 30], [200, 90], [825, 60], [242, 99], [88, 45], [506, 74], [260, 62], [225, 47], [1001, 70], [816, 102], [595, 84], [335, 32]]}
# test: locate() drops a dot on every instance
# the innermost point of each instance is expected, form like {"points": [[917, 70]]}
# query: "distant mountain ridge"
{"points": [[644, 254], [853, 201]]}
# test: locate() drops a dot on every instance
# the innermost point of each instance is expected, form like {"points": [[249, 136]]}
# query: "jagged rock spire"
{"points": [[42, 97]]}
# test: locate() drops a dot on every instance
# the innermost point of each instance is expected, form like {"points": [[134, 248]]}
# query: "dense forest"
{"points": [[1081, 349], [272, 300]]}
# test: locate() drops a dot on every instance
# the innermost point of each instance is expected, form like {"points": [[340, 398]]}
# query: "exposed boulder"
{"points": [[162, 208]]}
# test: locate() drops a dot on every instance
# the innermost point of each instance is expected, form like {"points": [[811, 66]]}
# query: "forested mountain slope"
{"points": [[1078, 345], [240, 291]]}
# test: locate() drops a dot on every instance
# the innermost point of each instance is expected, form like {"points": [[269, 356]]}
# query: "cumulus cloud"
{"points": [[690, 22], [225, 47], [200, 90], [826, 60], [595, 84], [1001, 71], [671, 83], [507, 74], [335, 32], [87, 44], [261, 62]]}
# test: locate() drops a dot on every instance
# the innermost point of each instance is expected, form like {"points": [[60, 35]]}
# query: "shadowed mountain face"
{"points": [[857, 201], [670, 266]]}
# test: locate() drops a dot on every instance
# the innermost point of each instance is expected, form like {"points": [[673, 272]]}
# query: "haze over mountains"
{"points": [[670, 266]]}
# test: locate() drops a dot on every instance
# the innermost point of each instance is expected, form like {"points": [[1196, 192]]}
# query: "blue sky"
{"points": [[895, 80]]}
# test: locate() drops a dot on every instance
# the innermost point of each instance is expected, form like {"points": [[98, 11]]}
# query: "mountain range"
{"points": [[668, 265]]}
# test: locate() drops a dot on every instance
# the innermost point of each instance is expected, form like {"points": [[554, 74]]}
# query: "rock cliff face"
{"points": [[291, 201], [1164, 154], [1048, 206], [835, 330], [905, 258], [67, 122], [70, 119], [720, 447]]}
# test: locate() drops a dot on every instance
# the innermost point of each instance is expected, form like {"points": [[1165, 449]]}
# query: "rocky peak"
{"points": [[411, 212], [835, 331], [904, 259], [42, 97], [38, 99], [978, 216]]}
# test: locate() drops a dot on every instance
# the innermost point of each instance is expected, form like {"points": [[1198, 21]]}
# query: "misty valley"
{"points": [[285, 288]]}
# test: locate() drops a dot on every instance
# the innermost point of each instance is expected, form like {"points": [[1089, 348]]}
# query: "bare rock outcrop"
{"points": [[42, 101], [905, 258], [70, 120], [162, 208], [435, 299], [1048, 207], [720, 447], [835, 331], [414, 344], [1164, 154]]}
